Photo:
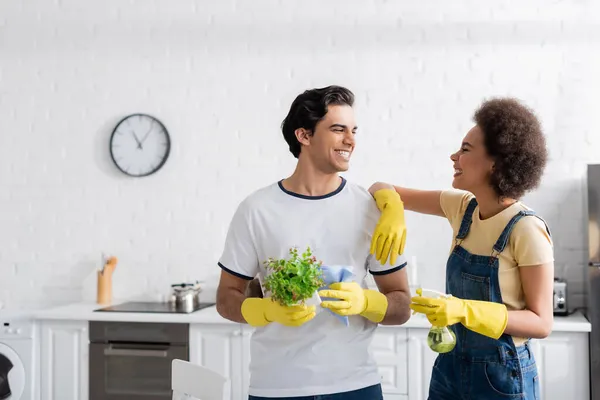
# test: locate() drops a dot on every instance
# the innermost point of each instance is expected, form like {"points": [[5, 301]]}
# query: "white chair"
{"points": [[192, 381]]}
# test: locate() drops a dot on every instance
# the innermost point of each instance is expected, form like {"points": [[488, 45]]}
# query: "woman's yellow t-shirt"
{"points": [[529, 243]]}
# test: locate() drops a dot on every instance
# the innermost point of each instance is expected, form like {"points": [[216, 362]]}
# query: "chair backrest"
{"points": [[199, 382]]}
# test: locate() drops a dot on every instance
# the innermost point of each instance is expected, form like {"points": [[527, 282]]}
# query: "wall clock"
{"points": [[139, 145]]}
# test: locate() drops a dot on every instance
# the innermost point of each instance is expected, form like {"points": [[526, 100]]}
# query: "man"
{"points": [[298, 352]]}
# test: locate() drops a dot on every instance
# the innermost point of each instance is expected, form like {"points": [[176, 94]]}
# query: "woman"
{"points": [[500, 270]]}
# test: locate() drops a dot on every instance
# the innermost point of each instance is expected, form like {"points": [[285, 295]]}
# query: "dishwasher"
{"points": [[132, 360]]}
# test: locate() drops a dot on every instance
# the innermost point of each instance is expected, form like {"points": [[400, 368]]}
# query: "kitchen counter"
{"points": [[85, 312], [575, 322]]}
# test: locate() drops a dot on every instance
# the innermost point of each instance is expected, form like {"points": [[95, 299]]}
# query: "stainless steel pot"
{"points": [[186, 296]]}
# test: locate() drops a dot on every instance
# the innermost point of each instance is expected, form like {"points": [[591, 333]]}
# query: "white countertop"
{"points": [[575, 322], [85, 312]]}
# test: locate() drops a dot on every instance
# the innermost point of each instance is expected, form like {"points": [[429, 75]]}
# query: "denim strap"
{"points": [[502, 241], [465, 225]]}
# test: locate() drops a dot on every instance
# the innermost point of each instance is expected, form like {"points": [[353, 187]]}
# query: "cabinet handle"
{"points": [[135, 353], [139, 352]]}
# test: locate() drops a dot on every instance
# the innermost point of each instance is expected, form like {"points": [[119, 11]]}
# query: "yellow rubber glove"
{"points": [[261, 312], [389, 236], [484, 317], [354, 300]]}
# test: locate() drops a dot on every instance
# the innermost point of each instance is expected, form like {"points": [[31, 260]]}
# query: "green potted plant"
{"points": [[294, 280]]}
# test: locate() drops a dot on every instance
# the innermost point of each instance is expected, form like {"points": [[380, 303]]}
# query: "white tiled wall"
{"points": [[221, 75]]}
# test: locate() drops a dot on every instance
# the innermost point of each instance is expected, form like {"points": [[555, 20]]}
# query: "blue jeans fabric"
{"points": [[480, 367], [369, 393], [500, 376]]}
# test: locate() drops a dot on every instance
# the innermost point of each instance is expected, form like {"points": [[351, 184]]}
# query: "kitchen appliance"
{"points": [[17, 373], [154, 307], [184, 298], [593, 275], [561, 306], [132, 360]]}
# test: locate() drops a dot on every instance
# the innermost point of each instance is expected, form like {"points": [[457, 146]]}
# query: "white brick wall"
{"points": [[221, 76]]}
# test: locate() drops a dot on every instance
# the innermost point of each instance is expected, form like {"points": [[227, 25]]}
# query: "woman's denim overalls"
{"points": [[480, 367]]}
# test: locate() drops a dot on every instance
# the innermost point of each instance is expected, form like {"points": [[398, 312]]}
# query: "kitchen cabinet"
{"points": [[420, 361], [246, 335], [224, 349], [64, 355], [562, 360], [390, 350]]}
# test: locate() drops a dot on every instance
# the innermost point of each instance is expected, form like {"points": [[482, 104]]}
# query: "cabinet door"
{"points": [[389, 349], [421, 359], [219, 347], [64, 358], [247, 332], [563, 366]]}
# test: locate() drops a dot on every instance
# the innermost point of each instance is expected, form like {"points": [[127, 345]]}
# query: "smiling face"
{"points": [[330, 147], [472, 164]]}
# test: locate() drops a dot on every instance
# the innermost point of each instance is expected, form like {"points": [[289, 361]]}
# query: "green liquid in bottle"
{"points": [[441, 340]]}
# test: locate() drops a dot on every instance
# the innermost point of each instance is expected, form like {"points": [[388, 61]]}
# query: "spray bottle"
{"points": [[440, 340]]}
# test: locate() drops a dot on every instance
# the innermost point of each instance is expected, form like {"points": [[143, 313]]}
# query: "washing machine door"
{"points": [[12, 374]]}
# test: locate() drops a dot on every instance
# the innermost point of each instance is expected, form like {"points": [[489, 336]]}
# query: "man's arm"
{"points": [[391, 279], [231, 293], [395, 287], [239, 264]]}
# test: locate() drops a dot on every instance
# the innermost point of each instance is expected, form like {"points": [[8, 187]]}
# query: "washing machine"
{"points": [[17, 375]]}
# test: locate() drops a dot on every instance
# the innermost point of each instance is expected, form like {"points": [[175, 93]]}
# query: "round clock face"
{"points": [[139, 145]]}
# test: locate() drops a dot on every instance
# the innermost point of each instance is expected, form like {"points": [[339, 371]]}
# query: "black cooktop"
{"points": [[153, 307]]}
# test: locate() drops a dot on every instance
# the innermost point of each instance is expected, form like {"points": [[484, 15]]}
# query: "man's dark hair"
{"points": [[513, 137], [309, 108]]}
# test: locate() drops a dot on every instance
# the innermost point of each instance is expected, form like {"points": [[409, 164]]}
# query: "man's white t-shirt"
{"points": [[324, 355]]}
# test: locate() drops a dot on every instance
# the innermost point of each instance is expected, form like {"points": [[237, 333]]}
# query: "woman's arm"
{"points": [[421, 201], [537, 319]]}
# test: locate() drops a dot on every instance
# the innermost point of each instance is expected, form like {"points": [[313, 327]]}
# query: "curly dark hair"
{"points": [[513, 137], [309, 108]]}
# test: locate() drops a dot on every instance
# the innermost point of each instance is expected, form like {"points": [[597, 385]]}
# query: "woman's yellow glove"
{"points": [[354, 300], [484, 317], [389, 236], [260, 312]]}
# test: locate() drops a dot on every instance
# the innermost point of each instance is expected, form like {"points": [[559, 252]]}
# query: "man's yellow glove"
{"points": [[354, 300], [389, 236], [261, 312], [484, 317]]}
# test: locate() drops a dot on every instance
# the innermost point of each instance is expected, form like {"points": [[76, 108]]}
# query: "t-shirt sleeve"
{"points": [[376, 268], [454, 203], [239, 255], [531, 243], [373, 265]]}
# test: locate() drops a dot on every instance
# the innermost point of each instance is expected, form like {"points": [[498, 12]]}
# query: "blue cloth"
{"points": [[480, 367], [336, 274]]}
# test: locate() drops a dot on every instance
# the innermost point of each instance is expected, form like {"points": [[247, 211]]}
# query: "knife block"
{"points": [[104, 290]]}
